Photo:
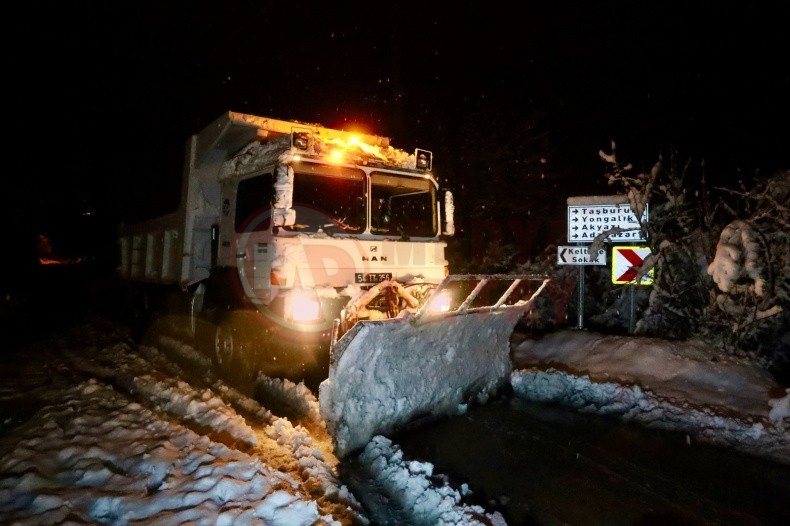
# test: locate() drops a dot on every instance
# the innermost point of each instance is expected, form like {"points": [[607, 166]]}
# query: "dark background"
{"points": [[515, 100]]}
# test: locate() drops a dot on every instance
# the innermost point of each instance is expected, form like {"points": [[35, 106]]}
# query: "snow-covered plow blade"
{"points": [[455, 349]]}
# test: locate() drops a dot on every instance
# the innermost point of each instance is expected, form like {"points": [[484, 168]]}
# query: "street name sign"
{"points": [[579, 256], [625, 265], [586, 221]]}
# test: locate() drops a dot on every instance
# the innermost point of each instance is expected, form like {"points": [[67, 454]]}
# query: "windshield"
{"points": [[333, 199], [328, 198], [403, 206]]}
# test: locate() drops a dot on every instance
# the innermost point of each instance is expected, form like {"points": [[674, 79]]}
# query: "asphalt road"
{"points": [[546, 465]]}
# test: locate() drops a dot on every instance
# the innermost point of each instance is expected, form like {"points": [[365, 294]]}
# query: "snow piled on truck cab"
{"points": [[257, 155], [388, 155]]}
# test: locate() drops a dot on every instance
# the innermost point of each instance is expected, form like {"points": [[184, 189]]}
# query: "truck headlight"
{"points": [[303, 307]]}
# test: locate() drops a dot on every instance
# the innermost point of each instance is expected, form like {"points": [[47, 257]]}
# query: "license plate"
{"points": [[372, 277]]}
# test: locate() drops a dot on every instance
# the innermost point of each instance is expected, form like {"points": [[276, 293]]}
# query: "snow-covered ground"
{"points": [[96, 429]]}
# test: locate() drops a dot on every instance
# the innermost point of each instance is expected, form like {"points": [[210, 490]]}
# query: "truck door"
{"points": [[251, 247], [226, 255]]}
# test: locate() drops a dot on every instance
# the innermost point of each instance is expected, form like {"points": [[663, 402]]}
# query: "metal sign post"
{"points": [[626, 262], [605, 215], [580, 308], [580, 256]]}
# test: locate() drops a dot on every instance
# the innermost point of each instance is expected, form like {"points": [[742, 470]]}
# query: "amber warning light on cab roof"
{"points": [[305, 141]]}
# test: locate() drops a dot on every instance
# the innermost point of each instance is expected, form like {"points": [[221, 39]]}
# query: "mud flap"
{"points": [[386, 374]]}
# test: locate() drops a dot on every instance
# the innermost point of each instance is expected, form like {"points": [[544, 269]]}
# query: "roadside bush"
{"points": [[721, 258]]}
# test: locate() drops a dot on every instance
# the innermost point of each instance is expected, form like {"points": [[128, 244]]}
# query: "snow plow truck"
{"points": [[296, 247]]}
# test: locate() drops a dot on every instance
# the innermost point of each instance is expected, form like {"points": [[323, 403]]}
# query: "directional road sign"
{"points": [[625, 265], [585, 222], [579, 256]]}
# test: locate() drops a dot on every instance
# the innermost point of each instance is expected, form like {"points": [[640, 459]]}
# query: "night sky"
{"points": [[103, 96]]}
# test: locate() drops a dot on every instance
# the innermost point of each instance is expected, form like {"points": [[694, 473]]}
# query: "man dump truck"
{"points": [[294, 242]]}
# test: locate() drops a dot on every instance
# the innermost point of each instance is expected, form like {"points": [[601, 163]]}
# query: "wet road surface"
{"points": [[539, 464]]}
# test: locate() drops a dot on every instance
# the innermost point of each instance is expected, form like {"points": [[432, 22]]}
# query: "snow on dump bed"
{"points": [[391, 372]]}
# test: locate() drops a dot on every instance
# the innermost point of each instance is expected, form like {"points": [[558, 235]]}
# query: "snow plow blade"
{"points": [[386, 374]]}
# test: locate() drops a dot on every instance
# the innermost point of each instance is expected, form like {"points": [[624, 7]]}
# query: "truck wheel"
{"points": [[224, 347], [196, 303], [232, 354], [140, 315]]}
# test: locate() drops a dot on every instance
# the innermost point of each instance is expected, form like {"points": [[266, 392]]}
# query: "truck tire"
{"points": [[140, 312], [224, 347], [195, 307], [232, 354]]}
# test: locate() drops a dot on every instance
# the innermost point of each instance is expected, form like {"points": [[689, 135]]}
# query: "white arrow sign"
{"points": [[579, 256], [585, 222]]}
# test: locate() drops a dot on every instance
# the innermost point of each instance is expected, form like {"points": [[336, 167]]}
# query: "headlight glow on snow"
{"points": [[304, 307], [440, 302]]}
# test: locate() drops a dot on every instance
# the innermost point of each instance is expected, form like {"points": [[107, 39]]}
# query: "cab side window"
{"points": [[253, 203]]}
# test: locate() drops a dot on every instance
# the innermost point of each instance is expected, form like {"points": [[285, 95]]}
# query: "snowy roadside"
{"points": [[121, 438], [683, 387], [120, 434]]}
